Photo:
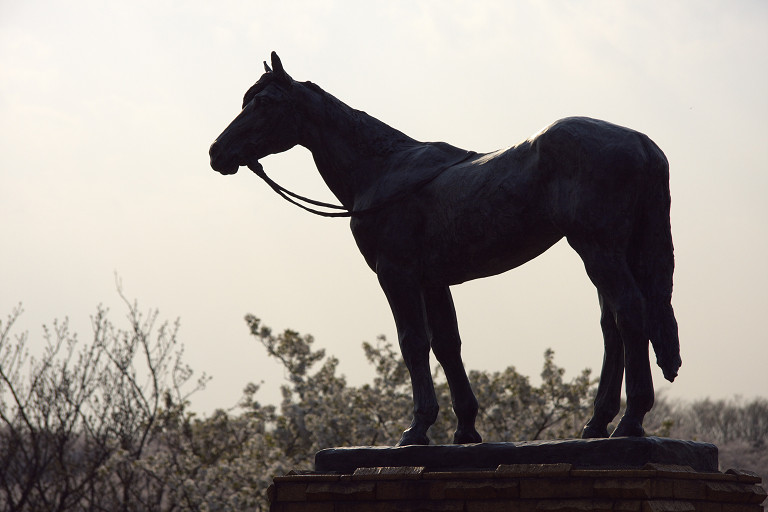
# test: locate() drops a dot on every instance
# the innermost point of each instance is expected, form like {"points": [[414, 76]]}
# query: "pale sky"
{"points": [[107, 110]]}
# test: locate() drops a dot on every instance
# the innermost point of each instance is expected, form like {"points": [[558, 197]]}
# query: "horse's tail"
{"points": [[652, 262]]}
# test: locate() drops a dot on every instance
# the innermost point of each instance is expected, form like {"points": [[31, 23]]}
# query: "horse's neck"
{"points": [[350, 148]]}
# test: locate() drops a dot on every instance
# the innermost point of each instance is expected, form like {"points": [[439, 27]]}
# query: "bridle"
{"points": [[294, 198]]}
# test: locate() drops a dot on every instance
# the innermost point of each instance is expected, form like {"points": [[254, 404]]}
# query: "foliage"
{"points": [[75, 423], [107, 425], [319, 410], [739, 429]]}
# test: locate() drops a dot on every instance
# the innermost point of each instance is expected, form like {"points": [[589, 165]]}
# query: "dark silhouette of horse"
{"points": [[429, 215]]}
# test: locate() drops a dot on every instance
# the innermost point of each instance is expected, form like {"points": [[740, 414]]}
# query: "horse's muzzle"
{"points": [[219, 161]]}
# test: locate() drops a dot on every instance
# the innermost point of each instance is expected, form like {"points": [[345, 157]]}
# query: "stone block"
{"points": [[340, 491], [727, 492], [555, 487], [733, 507], [387, 490], [291, 491], [501, 506], [575, 505], [453, 475], [388, 473], [471, 490], [668, 506], [302, 507], [683, 472], [401, 506], [689, 489], [744, 475], [613, 473], [628, 506], [663, 488], [533, 470], [709, 506], [309, 477], [623, 488]]}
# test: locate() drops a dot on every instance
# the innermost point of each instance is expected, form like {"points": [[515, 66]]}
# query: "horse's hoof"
{"points": [[467, 437], [669, 367], [629, 428], [411, 438], [592, 432]]}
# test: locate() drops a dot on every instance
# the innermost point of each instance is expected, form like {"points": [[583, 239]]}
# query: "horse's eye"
{"points": [[262, 101]]}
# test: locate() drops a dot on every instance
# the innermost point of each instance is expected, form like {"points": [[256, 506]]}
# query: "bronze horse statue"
{"points": [[428, 215]]}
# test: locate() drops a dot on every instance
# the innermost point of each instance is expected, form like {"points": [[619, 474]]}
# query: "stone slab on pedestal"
{"points": [[626, 452]]}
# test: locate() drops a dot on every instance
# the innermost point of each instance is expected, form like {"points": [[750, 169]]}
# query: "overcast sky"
{"points": [[107, 110]]}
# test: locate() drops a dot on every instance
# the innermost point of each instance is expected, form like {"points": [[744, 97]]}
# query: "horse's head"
{"points": [[266, 125]]}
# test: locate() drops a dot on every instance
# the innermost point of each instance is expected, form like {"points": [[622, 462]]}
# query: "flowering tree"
{"points": [[227, 461], [75, 423], [106, 425]]}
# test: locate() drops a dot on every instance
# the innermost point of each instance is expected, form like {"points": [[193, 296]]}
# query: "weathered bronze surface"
{"points": [[427, 215]]}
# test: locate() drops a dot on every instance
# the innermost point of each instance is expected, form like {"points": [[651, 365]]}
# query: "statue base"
{"points": [[519, 488], [623, 452], [639, 474]]}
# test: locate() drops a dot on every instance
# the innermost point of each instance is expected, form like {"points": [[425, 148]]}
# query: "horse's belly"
{"points": [[460, 259]]}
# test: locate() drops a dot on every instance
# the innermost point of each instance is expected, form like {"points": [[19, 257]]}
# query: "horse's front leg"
{"points": [[406, 300], [446, 345]]}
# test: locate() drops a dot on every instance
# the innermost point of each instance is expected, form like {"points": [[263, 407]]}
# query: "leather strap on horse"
{"points": [[289, 196], [294, 198]]}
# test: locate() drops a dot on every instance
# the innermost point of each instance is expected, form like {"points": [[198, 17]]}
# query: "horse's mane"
{"points": [[365, 129]]}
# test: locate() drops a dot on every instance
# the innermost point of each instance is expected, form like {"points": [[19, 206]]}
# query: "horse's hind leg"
{"points": [[608, 399], [608, 270], [446, 344], [407, 304]]}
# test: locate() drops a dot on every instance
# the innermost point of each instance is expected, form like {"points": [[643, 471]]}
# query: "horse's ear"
{"points": [[280, 73], [266, 67]]}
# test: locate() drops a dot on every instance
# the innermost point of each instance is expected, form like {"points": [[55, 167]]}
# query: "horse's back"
{"points": [[574, 159], [498, 210]]}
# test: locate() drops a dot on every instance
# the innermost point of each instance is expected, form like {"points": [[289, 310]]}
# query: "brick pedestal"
{"points": [[519, 487]]}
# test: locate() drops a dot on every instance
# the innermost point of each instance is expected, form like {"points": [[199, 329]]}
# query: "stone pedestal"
{"points": [[519, 488], [626, 475]]}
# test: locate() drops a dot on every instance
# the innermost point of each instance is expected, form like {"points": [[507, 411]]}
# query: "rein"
{"points": [[294, 198]]}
